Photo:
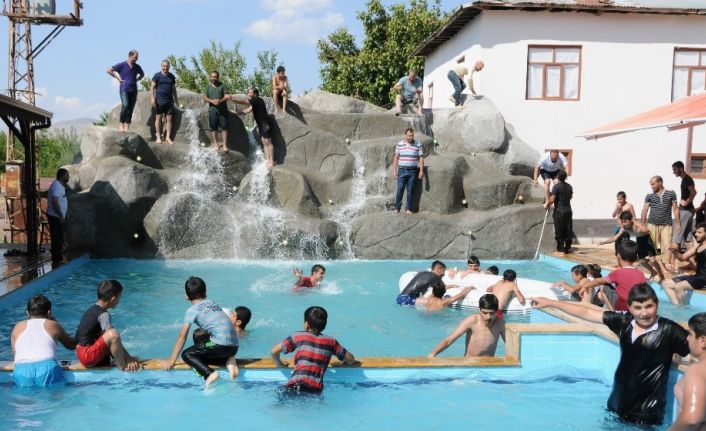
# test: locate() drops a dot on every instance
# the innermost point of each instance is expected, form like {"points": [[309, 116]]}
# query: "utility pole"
{"points": [[20, 86]]}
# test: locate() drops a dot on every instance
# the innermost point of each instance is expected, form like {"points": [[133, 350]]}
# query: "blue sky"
{"points": [[70, 73]]}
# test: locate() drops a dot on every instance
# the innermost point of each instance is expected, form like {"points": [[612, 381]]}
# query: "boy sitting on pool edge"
{"points": [[210, 317], [313, 353]]}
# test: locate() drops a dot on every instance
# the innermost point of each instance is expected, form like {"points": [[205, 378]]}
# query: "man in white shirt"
{"points": [[549, 166], [57, 206]]}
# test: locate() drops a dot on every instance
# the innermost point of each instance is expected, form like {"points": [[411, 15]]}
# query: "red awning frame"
{"points": [[683, 113]]}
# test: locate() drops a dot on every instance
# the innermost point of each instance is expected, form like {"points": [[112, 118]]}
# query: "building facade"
{"points": [[557, 69]]}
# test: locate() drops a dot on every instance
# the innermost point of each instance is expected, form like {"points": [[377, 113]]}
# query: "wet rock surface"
{"points": [[331, 195]]}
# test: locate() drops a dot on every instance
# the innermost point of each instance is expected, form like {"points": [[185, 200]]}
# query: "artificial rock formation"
{"points": [[330, 195]]}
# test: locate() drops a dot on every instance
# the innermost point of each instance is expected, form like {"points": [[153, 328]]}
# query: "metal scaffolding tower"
{"points": [[20, 86]]}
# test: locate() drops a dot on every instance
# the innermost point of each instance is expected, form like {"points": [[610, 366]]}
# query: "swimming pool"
{"points": [[563, 382], [359, 296], [543, 394]]}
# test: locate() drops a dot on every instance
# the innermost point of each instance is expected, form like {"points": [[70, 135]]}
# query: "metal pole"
{"points": [[541, 234]]}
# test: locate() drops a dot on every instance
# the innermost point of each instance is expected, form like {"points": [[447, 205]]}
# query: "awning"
{"points": [[686, 112]]}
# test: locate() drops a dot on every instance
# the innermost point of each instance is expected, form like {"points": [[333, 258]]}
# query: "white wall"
{"points": [[626, 69]]}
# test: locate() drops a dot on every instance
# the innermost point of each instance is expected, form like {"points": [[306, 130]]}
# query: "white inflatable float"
{"points": [[529, 288]]}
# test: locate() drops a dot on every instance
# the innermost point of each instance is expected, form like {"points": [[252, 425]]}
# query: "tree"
{"points": [[192, 73], [391, 35], [55, 150]]}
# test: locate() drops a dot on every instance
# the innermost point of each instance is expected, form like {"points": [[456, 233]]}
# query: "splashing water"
{"points": [[202, 180], [363, 187], [264, 229]]}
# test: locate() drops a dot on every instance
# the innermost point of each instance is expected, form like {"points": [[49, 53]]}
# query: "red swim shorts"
{"points": [[93, 355]]}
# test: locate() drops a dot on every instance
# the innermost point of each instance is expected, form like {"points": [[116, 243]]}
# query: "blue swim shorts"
{"points": [[42, 373], [403, 299]]}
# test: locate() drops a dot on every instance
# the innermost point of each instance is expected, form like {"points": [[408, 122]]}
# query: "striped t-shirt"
{"points": [[660, 207], [312, 357], [409, 154]]}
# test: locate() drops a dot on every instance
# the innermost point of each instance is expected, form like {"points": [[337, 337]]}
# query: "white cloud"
{"points": [[69, 108], [296, 20], [41, 96], [67, 102]]}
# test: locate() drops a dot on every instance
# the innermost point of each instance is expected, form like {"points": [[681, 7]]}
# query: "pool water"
{"points": [[569, 399], [359, 296]]}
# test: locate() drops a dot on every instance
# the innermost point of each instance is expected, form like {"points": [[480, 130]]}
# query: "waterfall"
{"points": [[364, 186]]}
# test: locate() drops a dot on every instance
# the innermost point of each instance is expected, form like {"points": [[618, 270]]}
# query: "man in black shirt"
{"points": [[421, 282], [686, 206], [257, 106], [647, 344], [563, 223]]}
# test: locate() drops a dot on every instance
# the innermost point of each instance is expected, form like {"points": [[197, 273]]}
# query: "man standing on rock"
{"points": [[549, 167], [128, 73], [215, 96], [56, 212], [408, 165], [163, 95], [410, 89], [563, 222], [264, 124]]}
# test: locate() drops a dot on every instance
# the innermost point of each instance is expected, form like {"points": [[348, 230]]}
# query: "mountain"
{"points": [[76, 125]]}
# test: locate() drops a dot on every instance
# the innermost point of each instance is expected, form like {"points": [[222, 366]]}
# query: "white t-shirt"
{"points": [[546, 163], [57, 190]]}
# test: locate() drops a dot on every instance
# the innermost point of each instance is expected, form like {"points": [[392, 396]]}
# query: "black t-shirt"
{"points": [[421, 283], [686, 182], [563, 192], [640, 384], [94, 322], [259, 111]]}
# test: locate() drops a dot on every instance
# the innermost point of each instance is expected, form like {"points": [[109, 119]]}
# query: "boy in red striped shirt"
{"points": [[313, 352]]}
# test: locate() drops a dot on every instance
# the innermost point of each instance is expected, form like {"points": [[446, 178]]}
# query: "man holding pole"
{"points": [[563, 224]]}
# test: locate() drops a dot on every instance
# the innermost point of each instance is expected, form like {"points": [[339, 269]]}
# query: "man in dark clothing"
{"points": [[647, 344], [421, 282], [563, 224], [163, 95], [686, 206], [257, 106]]}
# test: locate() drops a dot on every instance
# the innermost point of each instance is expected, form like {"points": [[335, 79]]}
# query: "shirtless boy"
{"points": [[690, 391], [579, 274], [280, 83], [505, 288], [677, 288], [482, 330], [437, 302]]}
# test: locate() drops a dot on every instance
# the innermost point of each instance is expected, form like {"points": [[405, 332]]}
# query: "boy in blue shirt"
{"points": [[211, 318]]}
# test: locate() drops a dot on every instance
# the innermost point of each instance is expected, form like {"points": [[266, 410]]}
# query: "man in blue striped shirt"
{"points": [[408, 165]]}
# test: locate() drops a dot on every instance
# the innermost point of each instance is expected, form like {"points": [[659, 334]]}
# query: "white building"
{"points": [[559, 68]]}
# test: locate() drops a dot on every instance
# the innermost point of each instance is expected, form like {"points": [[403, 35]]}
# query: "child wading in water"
{"points": [[313, 352]]}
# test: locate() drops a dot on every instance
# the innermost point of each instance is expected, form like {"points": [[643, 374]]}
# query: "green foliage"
{"points": [[192, 73], [102, 120], [262, 76], [55, 150], [391, 35]]}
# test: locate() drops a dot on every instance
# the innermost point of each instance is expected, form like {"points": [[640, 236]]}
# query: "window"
{"points": [[461, 59], [430, 88], [689, 75], [567, 153], [553, 72], [697, 166]]}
